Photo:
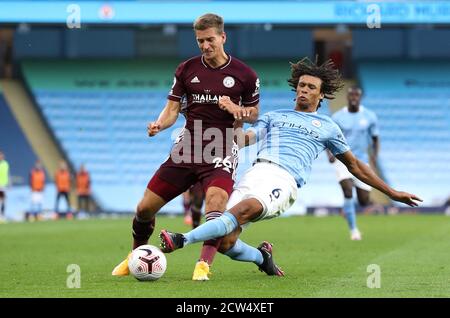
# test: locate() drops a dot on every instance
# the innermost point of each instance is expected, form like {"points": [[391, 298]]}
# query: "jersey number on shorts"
{"points": [[275, 194]]}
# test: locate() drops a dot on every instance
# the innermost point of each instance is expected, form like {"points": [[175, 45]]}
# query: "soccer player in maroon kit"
{"points": [[192, 205], [205, 151]]}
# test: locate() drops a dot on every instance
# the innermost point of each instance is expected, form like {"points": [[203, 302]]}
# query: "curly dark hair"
{"points": [[331, 79]]}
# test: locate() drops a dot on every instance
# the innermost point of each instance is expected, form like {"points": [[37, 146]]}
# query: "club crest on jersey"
{"points": [[316, 123], [228, 82]]}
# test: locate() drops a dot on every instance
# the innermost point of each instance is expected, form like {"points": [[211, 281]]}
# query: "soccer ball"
{"points": [[147, 262]]}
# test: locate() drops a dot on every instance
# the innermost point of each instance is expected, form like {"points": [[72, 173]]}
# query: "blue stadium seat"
{"points": [[414, 125]]}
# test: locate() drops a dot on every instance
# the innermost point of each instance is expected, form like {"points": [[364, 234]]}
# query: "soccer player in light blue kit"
{"points": [[290, 141], [360, 128]]}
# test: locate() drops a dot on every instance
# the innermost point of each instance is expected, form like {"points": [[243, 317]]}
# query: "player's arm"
{"points": [[375, 150], [366, 175], [245, 114], [166, 118]]}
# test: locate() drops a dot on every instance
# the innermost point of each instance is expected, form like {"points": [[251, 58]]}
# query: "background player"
{"points": [[4, 183], [83, 182], [201, 80], [63, 182], [37, 186], [192, 205], [186, 200], [360, 128], [291, 140]]}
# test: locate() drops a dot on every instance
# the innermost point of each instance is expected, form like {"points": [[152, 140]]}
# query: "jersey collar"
{"points": [[219, 67]]}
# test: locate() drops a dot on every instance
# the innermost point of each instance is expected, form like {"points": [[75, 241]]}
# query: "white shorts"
{"points": [[37, 197], [268, 183], [342, 173]]}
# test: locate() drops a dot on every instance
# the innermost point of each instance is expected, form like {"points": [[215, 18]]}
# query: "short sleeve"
{"points": [[178, 89], [261, 126], [337, 143], [250, 97]]}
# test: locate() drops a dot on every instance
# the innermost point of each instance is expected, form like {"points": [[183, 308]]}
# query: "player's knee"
{"points": [[348, 193], [144, 212], [216, 200], [247, 210]]}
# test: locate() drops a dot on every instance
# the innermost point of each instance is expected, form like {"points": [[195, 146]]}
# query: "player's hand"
{"points": [[226, 104], [248, 111], [153, 128], [407, 198]]}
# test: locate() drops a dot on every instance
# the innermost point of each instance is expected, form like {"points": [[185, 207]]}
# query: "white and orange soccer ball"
{"points": [[147, 262]]}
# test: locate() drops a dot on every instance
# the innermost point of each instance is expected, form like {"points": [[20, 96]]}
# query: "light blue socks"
{"points": [[245, 253], [218, 227], [350, 212]]}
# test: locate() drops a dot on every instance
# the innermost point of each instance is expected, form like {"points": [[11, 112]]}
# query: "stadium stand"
{"points": [[15, 145], [21, 157], [413, 107]]}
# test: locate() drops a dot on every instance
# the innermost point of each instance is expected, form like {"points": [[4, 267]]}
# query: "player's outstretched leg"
{"points": [[245, 210], [171, 241], [218, 227], [261, 256]]}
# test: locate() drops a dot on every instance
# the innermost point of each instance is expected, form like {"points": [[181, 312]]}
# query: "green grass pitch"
{"points": [[413, 252]]}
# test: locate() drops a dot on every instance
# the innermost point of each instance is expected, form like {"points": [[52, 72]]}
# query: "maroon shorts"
{"points": [[172, 179]]}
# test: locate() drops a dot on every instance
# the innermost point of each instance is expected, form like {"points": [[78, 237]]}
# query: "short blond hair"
{"points": [[209, 20]]}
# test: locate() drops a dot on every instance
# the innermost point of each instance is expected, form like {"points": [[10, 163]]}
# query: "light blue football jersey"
{"points": [[293, 139], [358, 129]]}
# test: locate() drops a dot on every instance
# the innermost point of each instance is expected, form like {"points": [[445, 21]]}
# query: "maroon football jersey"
{"points": [[201, 86]]}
